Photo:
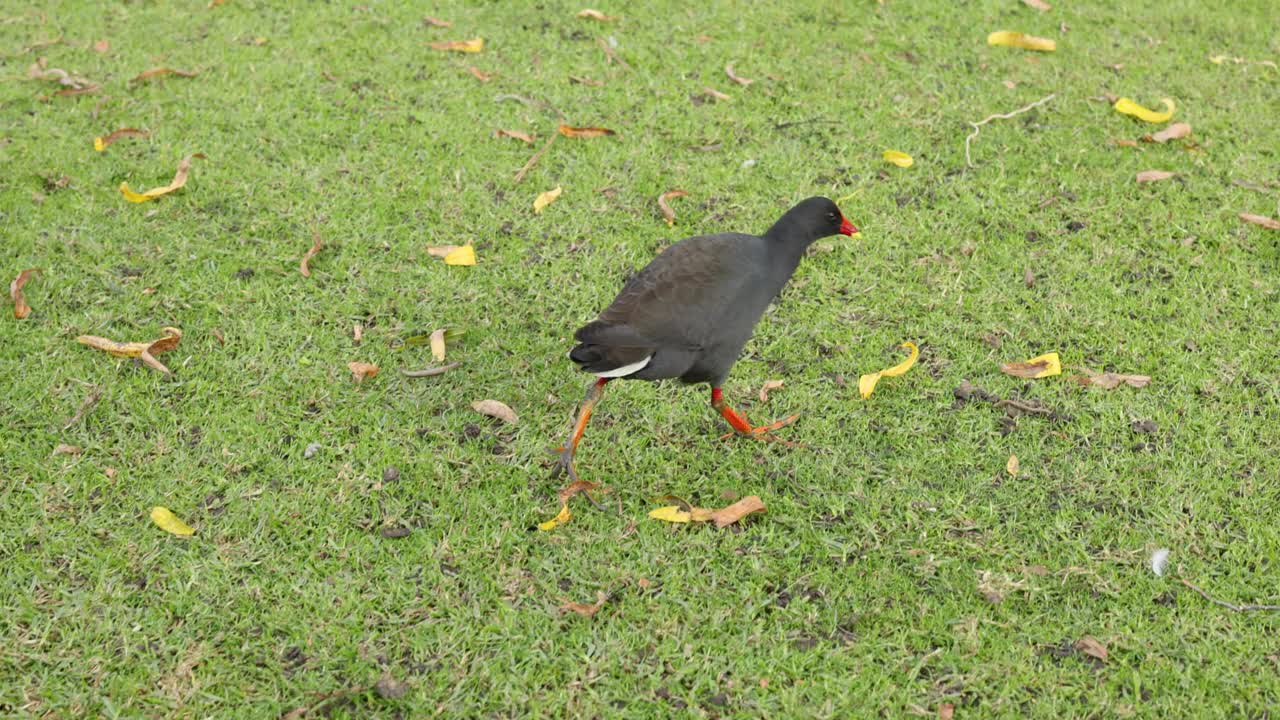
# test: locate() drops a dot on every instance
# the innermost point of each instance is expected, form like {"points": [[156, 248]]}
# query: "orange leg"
{"points": [[742, 426], [565, 464]]}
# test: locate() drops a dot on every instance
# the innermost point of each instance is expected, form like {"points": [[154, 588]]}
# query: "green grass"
{"points": [[858, 593]]}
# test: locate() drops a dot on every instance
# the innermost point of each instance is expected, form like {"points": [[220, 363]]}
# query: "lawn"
{"points": [[392, 569]]}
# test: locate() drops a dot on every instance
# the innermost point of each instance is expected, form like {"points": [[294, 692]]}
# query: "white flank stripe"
{"points": [[625, 370]]}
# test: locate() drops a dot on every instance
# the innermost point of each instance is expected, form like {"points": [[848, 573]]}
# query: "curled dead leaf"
{"points": [[1040, 5], [575, 487], [38, 71], [728, 70], [1092, 647], [899, 158], [441, 251], [436, 22], [946, 711], [1037, 367], [437, 345], [544, 199], [1175, 131], [360, 370], [479, 74], [1124, 142], [715, 94], [1012, 466], [867, 383], [495, 409], [1128, 107], [304, 265], [1147, 176], [101, 143], [162, 71], [473, 45], [667, 213], [722, 517], [596, 15], [20, 307], [167, 521], [1263, 220], [584, 80], [586, 610], [179, 180], [1009, 38], [522, 137], [561, 518], [584, 132], [769, 385], [145, 351]]}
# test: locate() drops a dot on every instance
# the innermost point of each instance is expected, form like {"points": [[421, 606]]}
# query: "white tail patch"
{"points": [[625, 370]]}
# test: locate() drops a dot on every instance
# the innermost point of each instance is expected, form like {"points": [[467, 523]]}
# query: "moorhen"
{"points": [[690, 311]]}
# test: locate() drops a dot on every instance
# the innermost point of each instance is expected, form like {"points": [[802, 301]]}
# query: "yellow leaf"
{"points": [[1218, 59], [473, 45], [167, 521], [1037, 367], [98, 144], [143, 350], [867, 383], [1012, 466], [1129, 107], [670, 513], [584, 132], [560, 519], [464, 255], [179, 179], [898, 158], [545, 199], [1008, 38]]}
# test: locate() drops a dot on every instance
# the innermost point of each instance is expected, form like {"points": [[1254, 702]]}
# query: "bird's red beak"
{"points": [[847, 228]]}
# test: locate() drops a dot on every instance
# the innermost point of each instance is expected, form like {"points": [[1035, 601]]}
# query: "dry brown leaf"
{"points": [[583, 80], [38, 71], [735, 512], [70, 92], [715, 94], [479, 74], [574, 488], [430, 372], [441, 251], [596, 15], [1111, 381], [1037, 367], [728, 70], [1147, 176], [1263, 220], [1174, 132], [1012, 466], [437, 345], [1010, 84], [436, 22], [1124, 142], [101, 143], [667, 213], [584, 132], [360, 371], [20, 307], [473, 45], [162, 71], [101, 46], [304, 265], [179, 180], [357, 332], [495, 409], [522, 137], [1040, 5], [64, 449], [769, 385], [584, 609], [1092, 647], [144, 351]]}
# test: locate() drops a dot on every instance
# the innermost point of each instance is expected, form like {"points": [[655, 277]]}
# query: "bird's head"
{"points": [[815, 218]]}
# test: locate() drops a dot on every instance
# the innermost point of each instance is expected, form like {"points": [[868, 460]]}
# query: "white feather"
{"points": [[1159, 561], [625, 370]]}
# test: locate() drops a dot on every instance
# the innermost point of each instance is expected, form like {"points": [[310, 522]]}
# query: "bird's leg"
{"points": [[565, 464], [740, 424]]}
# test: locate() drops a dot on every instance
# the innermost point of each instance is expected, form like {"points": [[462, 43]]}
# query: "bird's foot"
{"points": [[765, 432]]}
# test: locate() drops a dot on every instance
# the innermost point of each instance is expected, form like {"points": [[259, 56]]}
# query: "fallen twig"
{"points": [[89, 402], [536, 156], [428, 372], [1023, 407], [1224, 603], [613, 55], [977, 126]]}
